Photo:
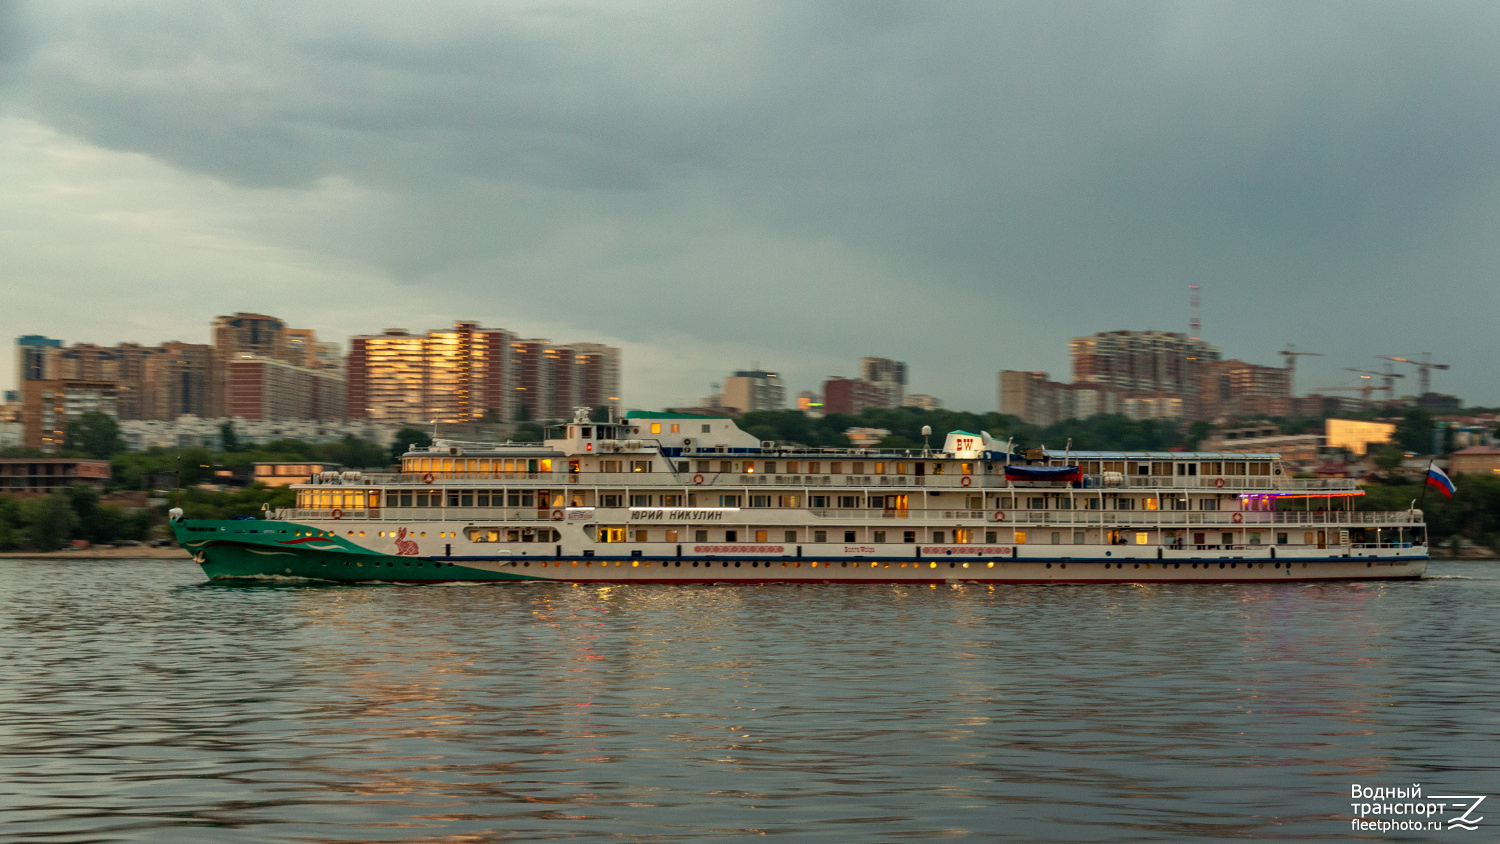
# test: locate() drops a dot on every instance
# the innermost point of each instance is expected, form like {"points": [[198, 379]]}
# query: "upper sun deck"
{"points": [[669, 449]]}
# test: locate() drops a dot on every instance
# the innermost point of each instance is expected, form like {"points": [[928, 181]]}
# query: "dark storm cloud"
{"points": [[960, 185]]}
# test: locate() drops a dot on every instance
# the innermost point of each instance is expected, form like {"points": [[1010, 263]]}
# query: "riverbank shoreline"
{"points": [[140, 553]]}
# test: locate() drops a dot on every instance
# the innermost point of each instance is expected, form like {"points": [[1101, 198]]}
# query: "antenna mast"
{"points": [[1195, 321]]}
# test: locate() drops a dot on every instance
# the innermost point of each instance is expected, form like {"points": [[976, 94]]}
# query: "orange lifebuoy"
{"points": [[999, 515], [427, 478], [1219, 482], [1237, 517], [697, 479], [337, 513], [556, 515], [966, 481]]}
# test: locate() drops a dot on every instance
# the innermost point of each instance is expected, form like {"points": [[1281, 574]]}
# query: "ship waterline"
{"points": [[674, 498]]}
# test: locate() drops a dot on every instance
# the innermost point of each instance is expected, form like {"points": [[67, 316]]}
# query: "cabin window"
{"points": [[1213, 467], [671, 536], [1151, 504], [587, 433], [963, 536], [640, 501], [817, 502], [814, 467], [640, 536], [731, 536], [1234, 468], [1208, 504], [879, 536], [760, 536], [937, 536], [858, 467], [703, 466], [610, 499], [1262, 469], [791, 467], [656, 427], [989, 537], [849, 502], [877, 502], [966, 468], [791, 536], [729, 501], [771, 467], [820, 536], [609, 465], [937, 468], [671, 500], [1124, 503], [788, 500], [976, 502], [909, 536], [1140, 537], [726, 466], [546, 464], [640, 465], [1037, 503], [836, 467], [880, 467], [1161, 469], [676, 429], [700, 536], [760, 501], [706, 428], [1281, 537]]}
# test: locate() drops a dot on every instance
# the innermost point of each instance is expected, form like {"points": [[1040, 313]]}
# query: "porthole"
{"points": [[736, 563], [1049, 565]]}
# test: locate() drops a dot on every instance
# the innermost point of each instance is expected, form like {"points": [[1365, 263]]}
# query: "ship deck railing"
{"points": [[1093, 484], [1112, 519]]}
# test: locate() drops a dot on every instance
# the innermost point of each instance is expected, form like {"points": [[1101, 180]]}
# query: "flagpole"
{"points": [[1426, 476]]}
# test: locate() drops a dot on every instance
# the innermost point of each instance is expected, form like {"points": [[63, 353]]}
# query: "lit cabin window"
{"points": [[546, 464], [656, 427], [676, 429]]}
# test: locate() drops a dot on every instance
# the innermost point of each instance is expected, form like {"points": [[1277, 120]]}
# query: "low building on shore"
{"points": [[41, 475]]}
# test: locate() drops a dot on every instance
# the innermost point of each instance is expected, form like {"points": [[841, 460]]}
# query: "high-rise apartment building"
{"points": [[1233, 388], [245, 381], [851, 395], [751, 390], [261, 388], [468, 373], [889, 375], [1141, 361]]}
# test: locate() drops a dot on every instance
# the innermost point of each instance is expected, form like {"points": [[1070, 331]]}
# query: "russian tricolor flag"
{"points": [[1438, 478]]}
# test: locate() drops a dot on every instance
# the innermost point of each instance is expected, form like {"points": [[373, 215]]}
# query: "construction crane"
{"points": [[1389, 376], [1291, 354], [1424, 369]]}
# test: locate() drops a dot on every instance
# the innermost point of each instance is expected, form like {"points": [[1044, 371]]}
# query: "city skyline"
{"points": [[809, 176]]}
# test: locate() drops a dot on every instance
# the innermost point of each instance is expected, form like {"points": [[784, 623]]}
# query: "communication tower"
{"points": [[1195, 322]]}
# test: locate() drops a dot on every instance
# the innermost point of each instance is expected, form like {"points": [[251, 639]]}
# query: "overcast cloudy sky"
{"points": [[962, 186]]}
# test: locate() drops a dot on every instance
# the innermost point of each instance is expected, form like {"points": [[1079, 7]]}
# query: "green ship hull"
{"points": [[234, 549]]}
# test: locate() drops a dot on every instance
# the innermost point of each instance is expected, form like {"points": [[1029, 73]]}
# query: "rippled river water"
{"points": [[139, 702]]}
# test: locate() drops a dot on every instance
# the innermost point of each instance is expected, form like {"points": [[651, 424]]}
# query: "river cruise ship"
{"points": [[677, 498]]}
